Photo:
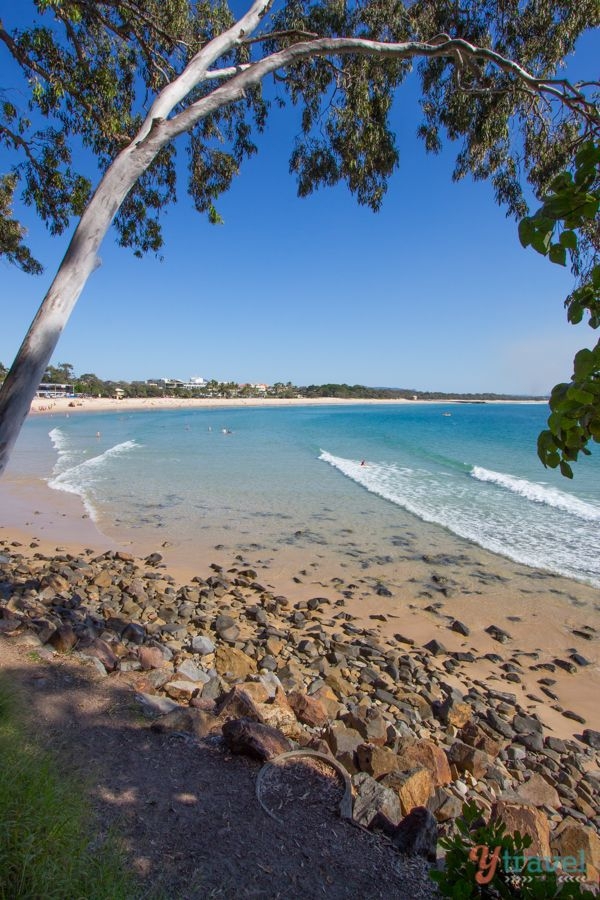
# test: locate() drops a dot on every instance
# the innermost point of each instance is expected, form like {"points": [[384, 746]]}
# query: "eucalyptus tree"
{"points": [[128, 81]]}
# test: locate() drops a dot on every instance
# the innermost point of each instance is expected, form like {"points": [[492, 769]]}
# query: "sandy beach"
{"points": [[41, 405], [418, 595]]}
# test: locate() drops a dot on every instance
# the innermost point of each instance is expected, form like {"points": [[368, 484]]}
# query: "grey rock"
{"points": [[202, 645], [372, 799]]}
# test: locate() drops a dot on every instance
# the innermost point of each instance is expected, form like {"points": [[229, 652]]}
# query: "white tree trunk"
{"points": [[79, 262]]}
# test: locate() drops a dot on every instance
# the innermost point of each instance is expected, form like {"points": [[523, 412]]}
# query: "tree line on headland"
{"points": [[91, 385]]}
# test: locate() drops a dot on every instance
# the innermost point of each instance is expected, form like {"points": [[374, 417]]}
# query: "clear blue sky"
{"points": [[434, 292]]}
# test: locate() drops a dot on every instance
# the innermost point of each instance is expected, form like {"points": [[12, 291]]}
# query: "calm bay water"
{"points": [[469, 469]]}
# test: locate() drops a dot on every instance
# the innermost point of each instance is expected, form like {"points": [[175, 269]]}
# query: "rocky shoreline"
{"points": [[225, 656]]}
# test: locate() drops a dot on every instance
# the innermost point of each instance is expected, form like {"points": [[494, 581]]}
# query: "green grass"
{"points": [[48, 846]]}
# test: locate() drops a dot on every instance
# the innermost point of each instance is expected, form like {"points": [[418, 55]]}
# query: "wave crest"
{"points": [[539, 493]]}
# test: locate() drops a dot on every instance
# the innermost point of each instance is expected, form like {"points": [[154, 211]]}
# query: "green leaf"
{"points": [[526, 231], [583, 364], [558, 254], [568, 239], [566, 470], [580, 396]]}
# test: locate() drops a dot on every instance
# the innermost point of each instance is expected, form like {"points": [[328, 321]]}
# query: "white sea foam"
{"points": [[547, 536], [540, 493], [78, 479], [66, 454]]}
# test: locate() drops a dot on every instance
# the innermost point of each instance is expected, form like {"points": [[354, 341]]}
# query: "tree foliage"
{"points": [[104, 88], [567, 223], [91, 68]]}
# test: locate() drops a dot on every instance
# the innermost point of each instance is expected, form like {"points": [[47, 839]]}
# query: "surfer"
{"points": [[363, 463]]}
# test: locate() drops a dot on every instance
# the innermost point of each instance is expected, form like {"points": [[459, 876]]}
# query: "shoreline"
{"points": [[418, 597], [51, 406]]}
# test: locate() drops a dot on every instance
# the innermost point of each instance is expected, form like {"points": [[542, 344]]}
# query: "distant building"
{"points": [[55, 390], [171, 384]]}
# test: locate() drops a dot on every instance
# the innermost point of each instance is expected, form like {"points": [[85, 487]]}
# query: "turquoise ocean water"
{"points": [[467, 468]]}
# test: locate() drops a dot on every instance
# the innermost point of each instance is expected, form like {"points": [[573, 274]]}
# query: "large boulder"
{"points": [[572, 838], [468, 759], [428, 755], [233, 664], [526, 819], [255, 739], [374, 799], [413, 788]]}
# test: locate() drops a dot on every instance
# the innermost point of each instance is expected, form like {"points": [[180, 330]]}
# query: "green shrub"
{"points": [[48, 848], [475, 854]]}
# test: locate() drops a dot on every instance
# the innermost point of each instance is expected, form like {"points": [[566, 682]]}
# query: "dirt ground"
{"points": [[188, 811]]}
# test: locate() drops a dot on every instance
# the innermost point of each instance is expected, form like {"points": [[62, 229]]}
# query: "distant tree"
{"points": [[125, 78], [60, 374], [91, 384]]}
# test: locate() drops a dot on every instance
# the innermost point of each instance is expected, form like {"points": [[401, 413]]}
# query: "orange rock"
{"points": [[414, 788], [427, 754], [526, 819]]}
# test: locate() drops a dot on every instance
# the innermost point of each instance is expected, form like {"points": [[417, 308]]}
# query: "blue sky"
{"points": [[434, 292]]}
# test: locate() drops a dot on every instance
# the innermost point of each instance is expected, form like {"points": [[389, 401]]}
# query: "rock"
{"points": [[202, 645], [499, 724], [533, 741], [187, 720], [468, 759], [376, 760], [526, 724], [591, 738], [181, 690], [460, 628], [414, 788], [417, 834], [373, 799], [450, 807], [233, 664], [526, 819], [498, 634], [343, 742], [475, 736], [328, 699], [435, 647], [339, 685], [190, 670], [417, 701], [155, 705], [427, 754], [151, 658], [572, 837], [102, 651], [134, 633], [539, 792], [63, 639], [308, 710], [255, 739], [369, 723], [453, 711]]}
